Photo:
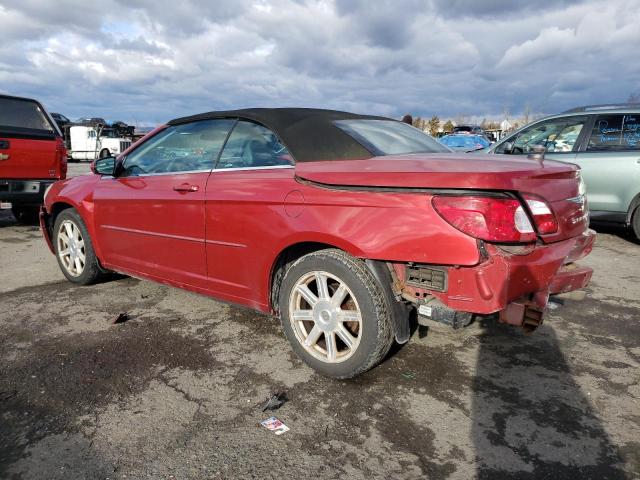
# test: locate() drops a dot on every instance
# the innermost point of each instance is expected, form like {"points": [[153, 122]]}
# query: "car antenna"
{"points": [[537, 153]]}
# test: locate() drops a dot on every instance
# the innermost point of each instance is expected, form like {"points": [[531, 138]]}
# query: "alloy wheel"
{"points": [[71, 249], [325, 317]]}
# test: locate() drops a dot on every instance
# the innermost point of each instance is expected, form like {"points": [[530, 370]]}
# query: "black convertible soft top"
{"points": [[308, 133]]}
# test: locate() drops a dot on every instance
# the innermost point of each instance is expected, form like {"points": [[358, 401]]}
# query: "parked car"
{"points": [[60, 120], [605, 141], [341, 224], [465, 142], [32, 155], [473, 129]]}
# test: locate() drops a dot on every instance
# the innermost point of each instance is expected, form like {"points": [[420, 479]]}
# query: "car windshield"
{"points": [[389, 137], [459, 141]]}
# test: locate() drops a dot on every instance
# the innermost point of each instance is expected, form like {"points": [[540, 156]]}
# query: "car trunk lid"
{"points": [[555, 182]]}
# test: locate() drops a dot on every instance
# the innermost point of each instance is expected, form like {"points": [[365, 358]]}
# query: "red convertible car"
{"points": [[341, 224]]}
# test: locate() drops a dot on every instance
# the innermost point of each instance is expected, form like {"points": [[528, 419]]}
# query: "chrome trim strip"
{"points": [[175, 237], [155, 234], [226, 244], [165, 173], [218, 170], [272, 167]]}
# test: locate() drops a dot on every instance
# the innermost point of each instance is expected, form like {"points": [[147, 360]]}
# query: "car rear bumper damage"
{"points": [[514, 282]]}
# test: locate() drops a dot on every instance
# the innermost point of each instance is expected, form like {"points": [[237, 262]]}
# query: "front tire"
{"points": [[334, 314], [635, 222], [74, 250]]}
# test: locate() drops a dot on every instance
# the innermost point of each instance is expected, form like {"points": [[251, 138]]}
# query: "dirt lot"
{"points": [[172, 393]]}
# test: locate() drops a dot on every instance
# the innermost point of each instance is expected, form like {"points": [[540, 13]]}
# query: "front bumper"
{"points": [[511, 280], [45, 227], [24, 192]]}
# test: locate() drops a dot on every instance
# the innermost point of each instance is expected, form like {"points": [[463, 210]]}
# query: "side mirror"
{"points": [[104, 166]]}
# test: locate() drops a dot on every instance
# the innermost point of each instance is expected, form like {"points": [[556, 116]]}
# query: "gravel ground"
{"points": [[172, 392]]}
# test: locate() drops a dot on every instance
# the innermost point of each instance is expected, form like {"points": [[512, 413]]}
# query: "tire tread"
{"points": [[385, 338], [92, 271]]}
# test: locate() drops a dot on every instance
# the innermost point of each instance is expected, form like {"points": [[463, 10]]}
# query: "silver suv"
{"points": [[605, 141]]}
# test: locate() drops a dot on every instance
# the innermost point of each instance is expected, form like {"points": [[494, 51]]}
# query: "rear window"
{"points": [[388, 137], [615, 132], [23, 116]]}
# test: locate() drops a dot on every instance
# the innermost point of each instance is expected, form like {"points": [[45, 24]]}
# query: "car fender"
{"points": [[635, 203], [78, 194]]}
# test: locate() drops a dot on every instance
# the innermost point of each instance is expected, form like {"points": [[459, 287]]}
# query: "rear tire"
{"points": [[74, 250], [26, 215], [334, 314], [635, 222]]}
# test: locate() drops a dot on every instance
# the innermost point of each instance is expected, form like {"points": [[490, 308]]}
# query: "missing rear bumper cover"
{"points": [[427, 277]]}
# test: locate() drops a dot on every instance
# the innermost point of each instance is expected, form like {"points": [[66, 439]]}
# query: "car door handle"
{"points": [[186, 187], [4, 144]]}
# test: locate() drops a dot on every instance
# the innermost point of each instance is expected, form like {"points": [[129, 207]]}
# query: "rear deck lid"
{"points": [[556, 183], [30, 144]]}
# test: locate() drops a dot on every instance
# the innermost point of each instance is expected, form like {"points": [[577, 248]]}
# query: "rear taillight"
{"points": [[61, 154], [493, 219], [543, 217]]}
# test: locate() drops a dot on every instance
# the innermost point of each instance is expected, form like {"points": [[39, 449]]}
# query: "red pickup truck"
{"points": [[32, 155]]}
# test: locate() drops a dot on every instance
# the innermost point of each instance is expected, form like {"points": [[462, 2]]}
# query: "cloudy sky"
{"points": [[152, 60]]}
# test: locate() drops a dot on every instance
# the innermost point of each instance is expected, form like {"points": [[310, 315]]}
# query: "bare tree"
{"points": [[526, 113], [434, 125], [420, 123]]}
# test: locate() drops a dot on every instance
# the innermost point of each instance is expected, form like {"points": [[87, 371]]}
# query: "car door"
{"points": [[610, 163], [560, 136], [150, 216], [244, 212]]}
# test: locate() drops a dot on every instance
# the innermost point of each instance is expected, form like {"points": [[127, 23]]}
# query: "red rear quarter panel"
{"points": [[247, 231]]}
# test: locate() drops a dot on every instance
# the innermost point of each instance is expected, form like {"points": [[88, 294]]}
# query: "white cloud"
{"points": [[154, 60]]}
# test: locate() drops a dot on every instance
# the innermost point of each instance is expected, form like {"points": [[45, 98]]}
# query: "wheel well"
{"points": [[56, 209], [284, 260], [635, 204]]}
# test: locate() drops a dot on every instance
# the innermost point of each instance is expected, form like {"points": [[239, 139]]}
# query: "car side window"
{"points": [[615, 133], [557, 135], [190, 147], [252, 145]]}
